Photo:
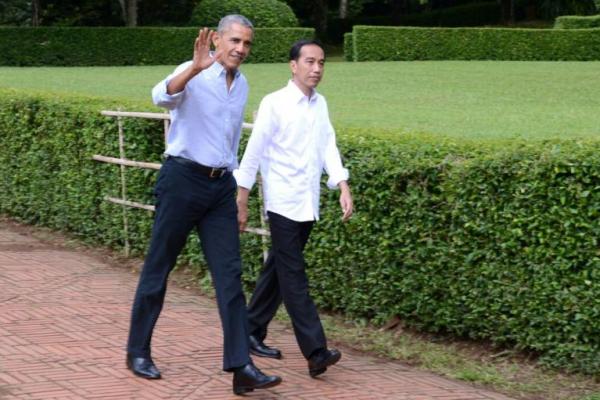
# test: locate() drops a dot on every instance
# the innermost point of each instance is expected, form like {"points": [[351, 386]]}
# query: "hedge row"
{"points": [[577, 22], [496, 241], [127, 46], [348, 47], [371, 43]]}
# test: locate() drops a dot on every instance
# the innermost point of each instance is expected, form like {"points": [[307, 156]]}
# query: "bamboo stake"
{"points": [[123, 184], [263, 224], [128, 203], [148, 115], [149, 207], [167, 125], [259, 231], [129, 163]]}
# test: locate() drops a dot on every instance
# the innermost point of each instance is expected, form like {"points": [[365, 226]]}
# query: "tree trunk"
{"points": [[319, 11], [129, 11], [132, 12], [35, 13], [531, 10], [508, 12], [123, 11], [343, 9], [399, 7]]}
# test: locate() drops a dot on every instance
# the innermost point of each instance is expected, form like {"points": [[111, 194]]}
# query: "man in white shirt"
{"points": [[196, 190], [292, 142]]}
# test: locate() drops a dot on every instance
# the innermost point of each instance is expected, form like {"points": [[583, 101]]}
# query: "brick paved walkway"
{"points": [[63, 324]]}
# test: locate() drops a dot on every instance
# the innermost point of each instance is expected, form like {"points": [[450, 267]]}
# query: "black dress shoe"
{"points": [[318, 363], [258, 348], [248, 378], [143, 366]]}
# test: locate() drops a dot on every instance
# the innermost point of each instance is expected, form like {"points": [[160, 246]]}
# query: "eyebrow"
{"points": [[237, 39]]}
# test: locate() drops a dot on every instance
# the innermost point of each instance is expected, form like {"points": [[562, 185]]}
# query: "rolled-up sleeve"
{"points": [[161, 98], [333, 162]]}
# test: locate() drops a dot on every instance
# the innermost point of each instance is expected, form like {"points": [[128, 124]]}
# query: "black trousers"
{"points": [[186, 200], [284, 278]]}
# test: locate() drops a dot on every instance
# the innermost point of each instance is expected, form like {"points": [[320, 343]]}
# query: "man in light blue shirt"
{"points": [[196, 190]]}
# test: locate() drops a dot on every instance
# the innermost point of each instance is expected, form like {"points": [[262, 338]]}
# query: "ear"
{"points": [[216, 38], [293, 66]]}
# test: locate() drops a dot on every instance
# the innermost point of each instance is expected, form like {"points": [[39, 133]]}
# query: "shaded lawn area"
{"points": [[472, 99]]}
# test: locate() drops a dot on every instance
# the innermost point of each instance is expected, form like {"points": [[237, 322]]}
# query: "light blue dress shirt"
{"points": [[206, 117]]}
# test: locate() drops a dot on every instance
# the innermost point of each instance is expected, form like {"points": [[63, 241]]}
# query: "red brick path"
{"points": [[63, 324]]}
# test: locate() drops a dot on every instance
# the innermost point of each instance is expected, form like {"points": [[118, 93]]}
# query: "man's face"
{"points": [[309, 68], [234, 43]]}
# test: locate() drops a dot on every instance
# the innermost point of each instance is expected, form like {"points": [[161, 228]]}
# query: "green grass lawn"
{"points": [[475, 99]]}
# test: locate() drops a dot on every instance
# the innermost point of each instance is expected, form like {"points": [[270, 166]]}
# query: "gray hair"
{"points": [[231, 19]]}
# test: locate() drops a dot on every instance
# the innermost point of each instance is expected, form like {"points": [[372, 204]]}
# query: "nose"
{"points": [[240, 48]]}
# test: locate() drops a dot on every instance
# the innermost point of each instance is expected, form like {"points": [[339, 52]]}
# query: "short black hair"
{"points": [[296, 47]]}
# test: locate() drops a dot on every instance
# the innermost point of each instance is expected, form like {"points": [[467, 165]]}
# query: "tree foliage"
{"points": [[15, 12], [553, 8], [262, 13], [323, 15], [95, 12]]}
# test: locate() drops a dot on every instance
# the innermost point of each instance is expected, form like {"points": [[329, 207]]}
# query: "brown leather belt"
{"points": [[211, 172]]}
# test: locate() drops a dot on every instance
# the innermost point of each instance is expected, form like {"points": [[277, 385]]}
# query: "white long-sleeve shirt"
{"points": [[292, 142], [206, 117]]}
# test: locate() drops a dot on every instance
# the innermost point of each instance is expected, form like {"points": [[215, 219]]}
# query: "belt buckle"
{"points": [[216, 173]]}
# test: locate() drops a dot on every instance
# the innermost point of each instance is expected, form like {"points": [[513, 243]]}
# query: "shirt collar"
{"points": [[298, 95], [217, 69]]}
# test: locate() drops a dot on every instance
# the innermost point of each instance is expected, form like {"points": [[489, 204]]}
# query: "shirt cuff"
{"points": [[168, 96], [162, 98], [335, 179], [243, 180]]}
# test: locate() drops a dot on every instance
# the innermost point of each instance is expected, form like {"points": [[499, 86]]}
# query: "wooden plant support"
{"points": [[124, 162]]}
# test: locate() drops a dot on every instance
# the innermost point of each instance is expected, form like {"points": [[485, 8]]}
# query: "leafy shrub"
{"points": [[127, 46], [486, 240], [401, 43], [262, 13], [348, 47], [577, 22]]}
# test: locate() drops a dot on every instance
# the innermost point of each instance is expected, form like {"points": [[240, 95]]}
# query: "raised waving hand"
{"points": [[202, 58]]}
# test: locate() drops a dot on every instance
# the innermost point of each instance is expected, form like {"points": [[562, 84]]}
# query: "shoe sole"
{"points": [[257, 354], [246, 389], [318, 371], [142, 375]]}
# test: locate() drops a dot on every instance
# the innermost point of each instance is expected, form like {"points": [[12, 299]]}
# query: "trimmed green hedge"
{"points": [[348, 47], [486, 240], [127, 46], [577, 22], [401, 43]]}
